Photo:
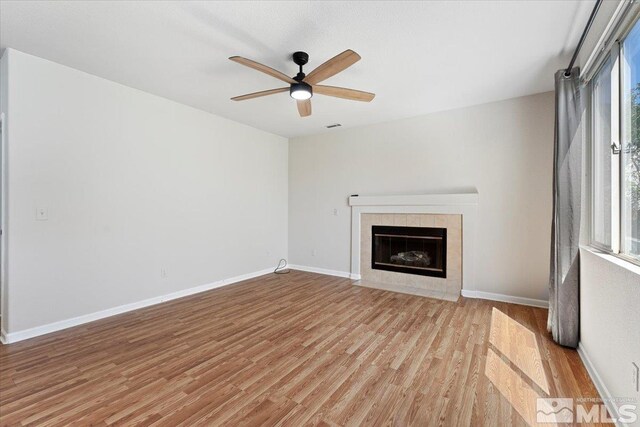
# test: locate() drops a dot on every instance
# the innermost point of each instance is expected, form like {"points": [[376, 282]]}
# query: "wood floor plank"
{"points": [[292, 350]]}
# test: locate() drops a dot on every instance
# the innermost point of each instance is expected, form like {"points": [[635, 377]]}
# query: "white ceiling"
{"points": [[418, 57]]}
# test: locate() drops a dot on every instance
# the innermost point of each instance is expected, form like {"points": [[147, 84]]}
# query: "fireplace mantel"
{"points": [[416, 200], [464, 203]]}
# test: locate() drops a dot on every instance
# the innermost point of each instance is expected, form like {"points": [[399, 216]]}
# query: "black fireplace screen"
{"points": [[411, 250]]}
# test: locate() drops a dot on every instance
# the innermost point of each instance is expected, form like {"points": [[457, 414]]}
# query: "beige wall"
{"points": [[504, 149], [134, 184]]}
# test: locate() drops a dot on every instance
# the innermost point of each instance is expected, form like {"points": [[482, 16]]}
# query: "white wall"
{"points": [[504, 149], [4, 98], [610, 320], [133, 183]]}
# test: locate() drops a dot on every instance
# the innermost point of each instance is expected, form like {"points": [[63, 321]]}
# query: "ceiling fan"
{"points": [[303, 86]]}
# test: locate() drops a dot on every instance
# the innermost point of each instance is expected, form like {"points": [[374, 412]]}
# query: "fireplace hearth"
{"points": [[410, 250]]}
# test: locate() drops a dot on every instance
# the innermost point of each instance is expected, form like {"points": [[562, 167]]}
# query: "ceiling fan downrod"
{"points": [[300, 58]]}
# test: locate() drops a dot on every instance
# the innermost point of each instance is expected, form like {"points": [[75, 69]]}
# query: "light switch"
{"points": [[42, 214]]}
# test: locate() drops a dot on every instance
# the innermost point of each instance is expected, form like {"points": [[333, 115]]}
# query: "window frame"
{"points": [[615, 52], [614, 57]]}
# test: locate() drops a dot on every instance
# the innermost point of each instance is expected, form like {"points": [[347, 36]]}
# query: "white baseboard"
{"points": [[505, 298], [597, 381], [8, 338], [465, 293], [324, 271]]}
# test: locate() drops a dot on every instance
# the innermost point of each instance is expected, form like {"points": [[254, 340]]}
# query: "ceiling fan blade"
{"points": [[332, 67], [259, 94], [262, 68], [304, 107], [341, 92]]}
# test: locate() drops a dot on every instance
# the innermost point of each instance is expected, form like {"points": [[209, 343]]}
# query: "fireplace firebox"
{"points": [[411, 250]]}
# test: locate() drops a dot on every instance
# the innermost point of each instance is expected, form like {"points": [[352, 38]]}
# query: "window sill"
{"points": [[620, 262]]}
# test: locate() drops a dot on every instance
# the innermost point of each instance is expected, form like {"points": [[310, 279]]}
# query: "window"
{"points": [[630, 152], [602, 158], [615, 150]]}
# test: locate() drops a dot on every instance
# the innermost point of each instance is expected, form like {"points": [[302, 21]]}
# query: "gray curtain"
{"points": [[564, 280]]}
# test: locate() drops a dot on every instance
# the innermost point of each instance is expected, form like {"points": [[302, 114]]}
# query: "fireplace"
{"points": [[411, 250]]}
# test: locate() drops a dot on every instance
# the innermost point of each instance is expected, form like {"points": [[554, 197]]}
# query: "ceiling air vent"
{"points": [[335, 125]]}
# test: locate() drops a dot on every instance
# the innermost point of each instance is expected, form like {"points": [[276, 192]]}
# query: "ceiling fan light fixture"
{"points": [[301, 91]]}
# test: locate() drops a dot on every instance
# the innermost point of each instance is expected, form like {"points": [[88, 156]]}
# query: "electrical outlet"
{"points": [[42, 214], [163, 273], [335, 212], [636, 377], [313, 252]]}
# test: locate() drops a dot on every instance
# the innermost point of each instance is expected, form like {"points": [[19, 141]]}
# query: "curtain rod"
{"points": [[567, 72]]}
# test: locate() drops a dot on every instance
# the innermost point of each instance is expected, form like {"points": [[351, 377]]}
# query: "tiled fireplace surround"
{"points": [[455, 212], [435, 287]]}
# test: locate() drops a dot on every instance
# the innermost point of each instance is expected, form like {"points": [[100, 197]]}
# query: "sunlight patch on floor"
{"points": [[518, 393], [519, 345]]}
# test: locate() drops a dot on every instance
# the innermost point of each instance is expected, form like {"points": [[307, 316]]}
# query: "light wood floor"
{"points": [[293, 349]]}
